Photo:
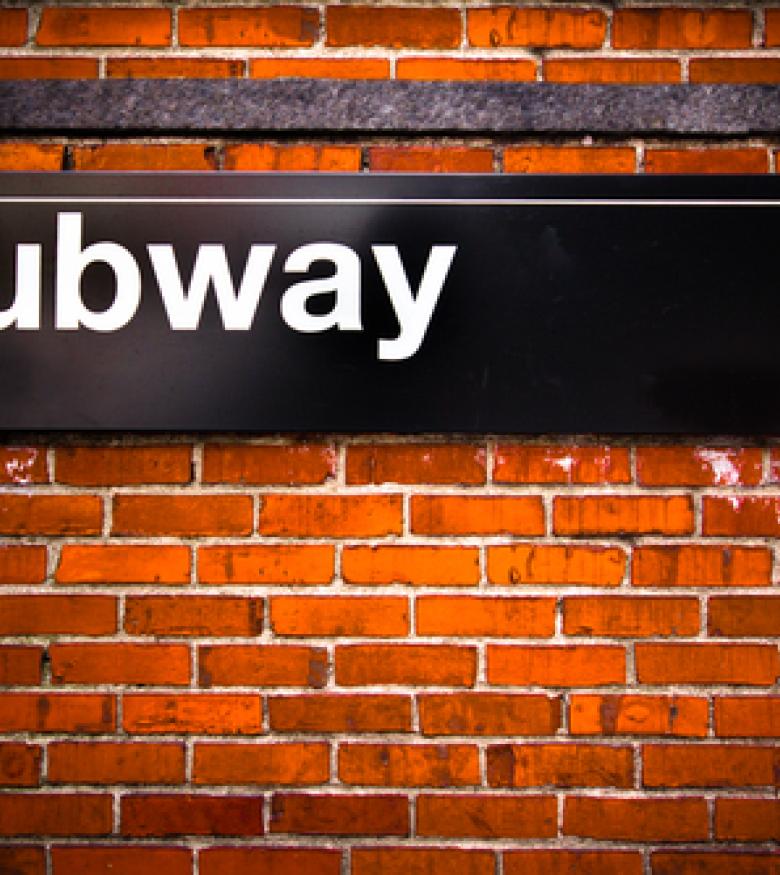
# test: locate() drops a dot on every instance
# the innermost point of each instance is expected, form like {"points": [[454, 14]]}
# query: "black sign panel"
{"points": [[272, 303]]}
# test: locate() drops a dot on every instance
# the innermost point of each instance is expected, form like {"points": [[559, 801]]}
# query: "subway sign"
{"points": [[358, 303]]}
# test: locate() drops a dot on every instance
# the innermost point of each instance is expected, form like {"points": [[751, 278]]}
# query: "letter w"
{"points": [[211, 266]]}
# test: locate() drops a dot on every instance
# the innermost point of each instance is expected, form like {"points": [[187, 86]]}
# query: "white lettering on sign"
{"points": [[237, 308]]}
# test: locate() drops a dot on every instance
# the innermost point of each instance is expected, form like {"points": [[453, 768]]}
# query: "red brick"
{"points": [[22, 860], [638, 715], [254, 156], [696, 565], [265, 465], [115, 763], [336, 516], [618, 71], [262, 666], [465, 69], [120, 860], [543, 28], [485, 616], [405, 664], [757, 71], [747, 716], [22, 565], [144, 156], [641, 820], [422, 861], [47, 68], [173, 68], [560, 765], [57, 615], [23, 465], [409, 765], [555, 862], [698, 466], [82, 26], [188, 814], [706, 161], [120, 663], [62, 814], [632, 617], [13, 27], [182, 516], [623, 515], [743, 516], [20, 665], [123, 466], [193, 713], [20, 766], [772, 28], [106, 563], [712, 863], [613, 467], [87, 714], [277, 564], [709, 765], [556, 666], [488, 714], [446, 464], [340, 714], [414, 565], [50, 514], [338, 616], [210, 616], [430, 159], [270, 861], [393, 26], [261, 764], [316, 814], [559, 464], [275, 26], [558, 565], [744, 616], [320, 68], [747, 820], [30, 156], [487, 817], [749, 664], [682, 29], [477, 515]]}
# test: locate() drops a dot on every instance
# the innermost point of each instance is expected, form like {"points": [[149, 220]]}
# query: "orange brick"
{"points": [[405, 664], [121, 860], [23, 465], [337, 616], [623, 515], [101, 762], [20, 665], [750, 664], [556, 666], [210, 616], [559, 464], [712, 863], [262, 666], [697, 466], [422, 861], [643, 820], [13, 27], [57, 615], [271, 861], [544, 28], [49, 814], [744, 616], [266, 465], [173, 68], [560, 765], [460, 69], [477, 515], [417, 565], [638, 715], [615, 616], [30, 156], [50, 514], [430, 159], [85, 26], [485, 616], [123, 466], [537, 862], [409, 765], [613, 468], [190, 814], [252, 156], [706, 161], [682, 29], [758, 71], [742, 516], [696, 565], [48, 68], [747, 820], [144, 156], [395, 27], [22, 564], [628, 71], [340, 713], [261, 764], [446, 464], [488, 714], [20, 766], [193, 713], [57, 712], [120, 663], [747, 716], [487, 817], [124, 565], [270, 26], [22, 860], [709, 765], [266, 565], [182, 515], [316, 814], [774, 466], [319, 68], [772, 28], [336, 516], [557, 565]]}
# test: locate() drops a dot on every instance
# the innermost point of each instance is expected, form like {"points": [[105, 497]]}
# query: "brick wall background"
{"points": [[378, 654]]}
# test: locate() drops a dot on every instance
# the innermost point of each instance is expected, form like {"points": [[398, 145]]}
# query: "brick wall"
{"points": [[377, 654]]}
